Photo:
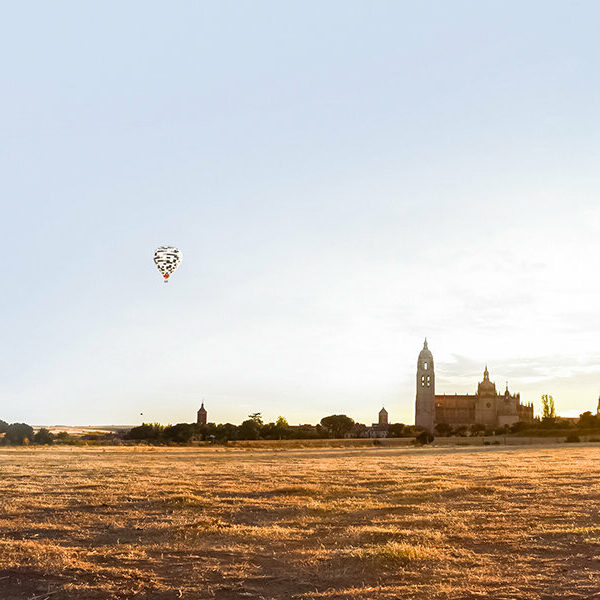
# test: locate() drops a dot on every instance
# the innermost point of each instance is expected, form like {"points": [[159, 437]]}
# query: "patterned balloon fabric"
{"points": [[167, 259]]}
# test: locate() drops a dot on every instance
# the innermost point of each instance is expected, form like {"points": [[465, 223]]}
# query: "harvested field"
{"points": [[110, 523]]}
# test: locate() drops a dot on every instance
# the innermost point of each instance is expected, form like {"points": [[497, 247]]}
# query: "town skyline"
{"points": [[367, 413]]}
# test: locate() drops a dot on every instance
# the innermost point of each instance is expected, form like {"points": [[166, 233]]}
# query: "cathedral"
{"points": [[486, 407]]}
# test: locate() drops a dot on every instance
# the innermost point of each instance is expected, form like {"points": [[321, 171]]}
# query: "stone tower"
{"points": [[425, 404], [383, 418], [202, 415], [485, 405]]}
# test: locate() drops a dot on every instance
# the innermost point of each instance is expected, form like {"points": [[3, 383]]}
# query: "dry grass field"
{"points": [[110, 523]]}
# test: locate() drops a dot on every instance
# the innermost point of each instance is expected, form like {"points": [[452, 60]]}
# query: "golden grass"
{"points": [[162, 523], [397, 552]]}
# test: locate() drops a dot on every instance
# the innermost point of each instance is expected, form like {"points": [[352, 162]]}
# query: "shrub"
{"points": [[424, 438], [477, 428], [396, 430], [43, 436], [572, 438], [519, 426], [18, 434], [443, 429]]}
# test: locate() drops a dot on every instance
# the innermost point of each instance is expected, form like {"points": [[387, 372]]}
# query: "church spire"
{"points": [[425, 345]]}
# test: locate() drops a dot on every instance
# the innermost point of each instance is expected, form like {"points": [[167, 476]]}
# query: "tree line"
{"points": [[254, 428], [19, 434]]}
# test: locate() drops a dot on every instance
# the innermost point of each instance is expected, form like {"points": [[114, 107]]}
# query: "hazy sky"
{"points": [[343, 179]]}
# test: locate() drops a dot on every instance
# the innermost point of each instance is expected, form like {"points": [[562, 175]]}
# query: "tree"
{"points": [[19, 434], [548, 411], [305, 432], [275, 431], [225, 432], [588, 421], [256, 417], [206, 432], [269, 432], [181, 433], [337, 426], [43, 436], [249, 430], [282, 428], [145, 431], [3, 426]]}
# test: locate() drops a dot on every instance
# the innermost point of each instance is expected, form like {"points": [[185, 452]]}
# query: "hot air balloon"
{"points": [[167, 259]]}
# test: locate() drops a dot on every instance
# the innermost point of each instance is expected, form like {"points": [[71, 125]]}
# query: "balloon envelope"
{"points": [[167, 259]]}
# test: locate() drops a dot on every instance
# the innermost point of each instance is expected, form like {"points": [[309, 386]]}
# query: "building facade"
{"points": [[487, 407]]}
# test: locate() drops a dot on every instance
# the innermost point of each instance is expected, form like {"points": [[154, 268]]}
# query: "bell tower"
{"points": [[202, 415], [425, 404]]}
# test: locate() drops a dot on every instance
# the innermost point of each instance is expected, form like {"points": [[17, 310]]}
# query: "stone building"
{"points": [[376, 430], [202, 414], [383, 418], [487, 407], [380, 429]]}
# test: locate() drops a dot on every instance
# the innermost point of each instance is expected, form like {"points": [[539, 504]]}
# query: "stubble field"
{"points": [[377, 523]]}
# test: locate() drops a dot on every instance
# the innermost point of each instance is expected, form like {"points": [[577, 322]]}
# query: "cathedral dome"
{"points": [[486, 386]]}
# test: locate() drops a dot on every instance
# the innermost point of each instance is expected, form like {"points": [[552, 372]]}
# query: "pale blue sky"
{"points": [[343, 178]]}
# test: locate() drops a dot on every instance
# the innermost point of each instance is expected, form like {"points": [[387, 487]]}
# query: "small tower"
{"points": [[425, 403], [486, 409], [383, 418], [202, 415]]}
